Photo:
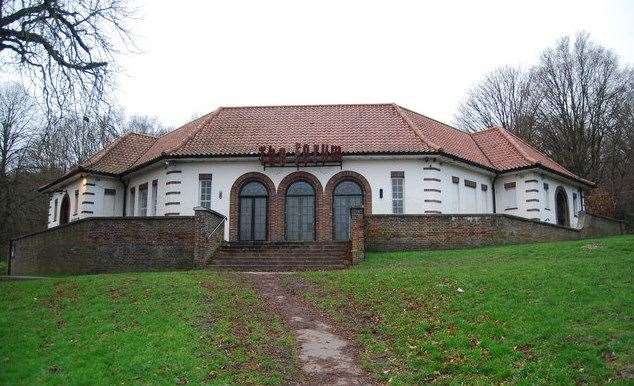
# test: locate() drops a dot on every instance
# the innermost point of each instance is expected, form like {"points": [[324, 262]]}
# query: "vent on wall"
{"points": [[455, 180]]}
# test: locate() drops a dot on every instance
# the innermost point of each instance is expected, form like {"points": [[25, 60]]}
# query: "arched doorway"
{"points": [[253, 212], [300, 212], [561, 207], [64, 210], [347, 194]]}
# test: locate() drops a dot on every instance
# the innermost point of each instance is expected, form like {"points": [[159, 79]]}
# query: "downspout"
{"points": [[125, 196], [493, 191]]}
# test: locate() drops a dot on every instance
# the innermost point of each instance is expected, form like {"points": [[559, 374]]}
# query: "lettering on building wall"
{"points": [[303, 155]]}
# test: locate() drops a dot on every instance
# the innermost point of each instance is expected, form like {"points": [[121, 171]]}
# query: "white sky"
{"points": [[424, 55]]}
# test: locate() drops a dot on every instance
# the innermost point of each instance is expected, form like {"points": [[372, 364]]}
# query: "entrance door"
{"points": [[561, 207], [300, 212], [64, 210], [253, 212], [347, 195]]}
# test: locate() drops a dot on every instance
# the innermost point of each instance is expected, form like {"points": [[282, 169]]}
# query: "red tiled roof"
{"points": [[358, 129], [120, 155], [507, 151]]}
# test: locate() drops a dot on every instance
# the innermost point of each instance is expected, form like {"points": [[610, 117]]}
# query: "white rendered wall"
{"points": [[427, 188], [90, 201], [529, 188]]}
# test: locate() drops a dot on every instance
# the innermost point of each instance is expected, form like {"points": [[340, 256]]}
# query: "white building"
{"points": [[392, 160]]}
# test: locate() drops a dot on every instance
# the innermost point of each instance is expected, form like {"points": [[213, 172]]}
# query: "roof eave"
{"points": [[580, 180]]}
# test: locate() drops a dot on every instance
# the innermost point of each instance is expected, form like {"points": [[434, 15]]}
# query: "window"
{"points": [[470, 197], [545, 197], [397, 192], [132, 202], [575, 204], [154, 196], [510, 196], [76, 201], [143, 199], [55, 211], [109, 202], [205, 190]]}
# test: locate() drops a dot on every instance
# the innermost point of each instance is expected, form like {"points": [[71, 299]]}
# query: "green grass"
{"points": [[539, 313], [146, 328]]}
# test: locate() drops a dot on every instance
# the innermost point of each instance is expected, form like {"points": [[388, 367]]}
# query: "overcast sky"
{"points": [[198, 55]]}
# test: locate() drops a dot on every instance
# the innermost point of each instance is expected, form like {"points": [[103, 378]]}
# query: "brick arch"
{"points": [[234, 199], [330, 187], [321, 233]]}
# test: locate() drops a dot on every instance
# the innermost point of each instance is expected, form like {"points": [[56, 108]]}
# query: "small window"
{"points": [[76, 201], [484, 187], [110, 192], [132, 201], [55, 210], [469, 183], [397, 192], [510, 196], [205, 190], [154, 196], [545, 197], [575, 204], [143, 199]]}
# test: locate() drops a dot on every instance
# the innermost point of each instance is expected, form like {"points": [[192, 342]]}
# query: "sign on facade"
{"points": [[304, 155]]}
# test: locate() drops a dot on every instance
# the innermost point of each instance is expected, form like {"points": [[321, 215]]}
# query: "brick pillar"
{"points": [[210, 233], [357, 235]]}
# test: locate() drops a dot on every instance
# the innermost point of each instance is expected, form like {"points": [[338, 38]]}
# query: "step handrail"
{"points": [[222, 221]]}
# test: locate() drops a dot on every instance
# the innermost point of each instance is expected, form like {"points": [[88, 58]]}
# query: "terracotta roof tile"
{"points": [[358, 129], [451, 140], [120, 155]]}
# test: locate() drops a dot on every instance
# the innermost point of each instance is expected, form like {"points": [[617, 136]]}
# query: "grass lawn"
{"points": [[148, 328], [540, 313]]}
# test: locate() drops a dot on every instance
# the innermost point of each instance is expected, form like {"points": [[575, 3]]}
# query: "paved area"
{"points": [[326, 354]]}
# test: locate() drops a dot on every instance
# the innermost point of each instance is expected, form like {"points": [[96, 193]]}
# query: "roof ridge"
{"points": [[512, 140], [199, 127], [100, 154], [415, 129], [433, 119], [481, 150], [387, 104]]}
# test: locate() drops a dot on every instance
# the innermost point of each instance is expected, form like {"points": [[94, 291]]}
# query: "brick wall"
{"points": [[114, 244], [419, 232]]}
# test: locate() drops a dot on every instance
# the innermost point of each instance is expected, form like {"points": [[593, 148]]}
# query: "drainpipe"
{"points": [[125, 196], [493, 192]]}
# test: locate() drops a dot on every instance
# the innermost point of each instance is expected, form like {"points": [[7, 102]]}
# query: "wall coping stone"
{"points": [[203, 209], [110, 218], [477, 215]]}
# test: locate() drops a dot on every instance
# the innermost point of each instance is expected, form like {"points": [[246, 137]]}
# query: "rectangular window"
{"points": [[205, 190], [109, 202], [143, 199], [398, 179], [545, 197], [132, 202], [510, 196], [76, 201], [575, 204], [55, 211], [154, 196]]}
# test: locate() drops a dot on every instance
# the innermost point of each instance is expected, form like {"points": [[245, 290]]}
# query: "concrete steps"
{"points": [[281, 256]]}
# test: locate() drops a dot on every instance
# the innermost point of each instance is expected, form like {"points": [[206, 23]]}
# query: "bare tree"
{"points": [[504, 98], [583, 88], [144, 124], [17, 121], [66, 47]]}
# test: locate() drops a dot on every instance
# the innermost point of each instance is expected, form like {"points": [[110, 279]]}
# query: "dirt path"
{"points": [[326, 355]]}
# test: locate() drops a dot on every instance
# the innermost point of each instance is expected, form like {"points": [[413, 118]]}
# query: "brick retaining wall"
{"points": [[445, 231], [117, 244]]}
